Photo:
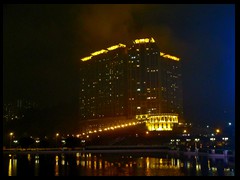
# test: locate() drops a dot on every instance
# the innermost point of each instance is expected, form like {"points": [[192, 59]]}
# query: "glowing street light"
{"points": [[11, 136], [217, 131], [57, 134]]}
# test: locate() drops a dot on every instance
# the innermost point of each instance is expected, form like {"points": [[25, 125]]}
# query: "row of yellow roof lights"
{"points": [[169, 56], [103, 51], [137, 41], [146, 40]]}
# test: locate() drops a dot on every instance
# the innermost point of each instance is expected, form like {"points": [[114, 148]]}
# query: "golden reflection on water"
{"points": [[56, 166], [12, 166], [29, 157], [101, 164], [36, 166], [150, 165], [63, 160]]}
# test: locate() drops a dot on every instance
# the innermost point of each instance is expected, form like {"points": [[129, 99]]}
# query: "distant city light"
{"points": [[212, 139], [225, 138]]}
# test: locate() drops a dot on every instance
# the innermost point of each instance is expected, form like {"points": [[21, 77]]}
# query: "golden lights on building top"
{"points": [[86, 58], [169, 56], [103, 51], [137, 41], [146, 40], [116, 46], [99, 52]]}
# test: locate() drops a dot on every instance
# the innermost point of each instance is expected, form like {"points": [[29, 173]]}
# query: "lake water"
{"points": [[114, 164]]}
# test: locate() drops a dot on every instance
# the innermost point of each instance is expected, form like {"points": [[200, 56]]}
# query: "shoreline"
{"points": [[117, 149]]}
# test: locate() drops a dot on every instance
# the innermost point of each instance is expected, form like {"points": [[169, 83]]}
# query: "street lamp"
{"points": [[217, 131], [11, 136], [57, 134]]}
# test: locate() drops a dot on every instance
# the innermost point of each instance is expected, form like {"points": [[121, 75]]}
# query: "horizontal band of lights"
{"points": [[103, 51], [169, 56], [146, 40]]}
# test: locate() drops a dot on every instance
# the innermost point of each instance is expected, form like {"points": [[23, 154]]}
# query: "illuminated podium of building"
{"points": [[159, 122], [133, 83]]}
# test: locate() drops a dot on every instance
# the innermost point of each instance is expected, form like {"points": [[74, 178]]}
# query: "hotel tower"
{"points": [[139, 82]]}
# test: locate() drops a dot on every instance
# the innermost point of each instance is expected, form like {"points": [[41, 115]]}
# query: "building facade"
{"points": [[129, 82], [103, 83]]}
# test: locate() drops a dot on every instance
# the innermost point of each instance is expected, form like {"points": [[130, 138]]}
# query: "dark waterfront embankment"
{"points": [[125, 149]]}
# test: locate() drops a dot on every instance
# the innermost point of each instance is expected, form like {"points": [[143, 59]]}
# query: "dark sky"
{"points": [[43, 44]]}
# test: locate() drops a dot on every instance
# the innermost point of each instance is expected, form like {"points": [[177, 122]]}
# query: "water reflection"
{"points": [[88, 164], [12, 170]]}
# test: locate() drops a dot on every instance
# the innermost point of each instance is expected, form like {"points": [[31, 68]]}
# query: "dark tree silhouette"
{"points": [[72, 142], [26, 142], [44, 143]]}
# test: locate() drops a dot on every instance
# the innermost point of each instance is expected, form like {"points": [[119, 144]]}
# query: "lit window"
{"points": [[138, 89]]}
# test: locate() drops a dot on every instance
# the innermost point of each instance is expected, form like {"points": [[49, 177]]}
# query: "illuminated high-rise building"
{"points": [[103, 83], [138, 82]]}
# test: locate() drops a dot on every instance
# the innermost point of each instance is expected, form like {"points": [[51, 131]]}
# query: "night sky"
{"points": [[43, 44]]}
